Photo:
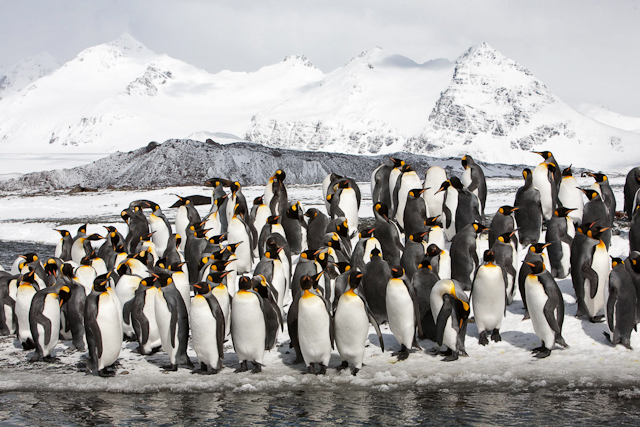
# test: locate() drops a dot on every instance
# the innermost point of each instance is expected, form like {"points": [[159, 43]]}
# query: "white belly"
{"points": [[313, 331], [149, 311], [565, 262], [570, 196], [108, 321], [182, 223], [248, 330], [52, 312], [203, 332], [444, 265], [160, 235], [349, 205], [542, 183], [601, 265], [369, 245], [262, 213], [536, 300], [488, 298], [400, 312], [182, 285], [351, 328], [410, 180], [8, 316], [236, 234], [222, 295], [452, 204], [23, 303], [163, 317], [85, 275], [393, 177], [279, 283], [436, 236]]}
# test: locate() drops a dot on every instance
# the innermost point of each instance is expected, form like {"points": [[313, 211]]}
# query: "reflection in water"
{"points": [[338, 406]]}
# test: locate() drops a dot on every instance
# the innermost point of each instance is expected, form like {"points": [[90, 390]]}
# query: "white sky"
{"points": [[584, 51]]}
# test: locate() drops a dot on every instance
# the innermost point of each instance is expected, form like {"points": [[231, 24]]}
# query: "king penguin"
{"points": [[559, 236], [450, 309], [44, 320], [631, 187], [570, 196], [248, 326], [489, 298], [620, 305], [314, 327], [473, 178], [173, 322], [207, 329], [529, 213], [403, 312]]}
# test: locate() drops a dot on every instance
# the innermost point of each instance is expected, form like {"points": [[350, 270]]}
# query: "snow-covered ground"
{"points": [[590, 361]]}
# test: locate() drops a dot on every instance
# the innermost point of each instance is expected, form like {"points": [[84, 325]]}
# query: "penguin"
{"points": [[503, 221], [344, 272], [272, 313], [314, 327], [107, 250], [260, 212], [394, 176], [489, 298], [529, 213], [63, 247], [26, 290], [82, 247], [103, 327], [415, 212], [159, 226], [126, 291], [181, 282], [328, 188], [590, 269], [236, 198], [634, 229], [387, 234], [468, 208], [351, 320], [439, 260], [406, 182], [186, 216], [381, 190], [193, 250], [596, 211], [213, 220], [449, 208], [239, 232], [546, 307], [271, 267], [295, 228], [273, 226], [7, 305], [505, 251], [173, 322], [142, 313], [631, 187], [436, 232], [316, 228], [72, 315], [415, 249], [44, 320], [632, 264], [543, 179], [403, 312], [450, 309], [361, 254], [550, 159], [464, 258], [248, 326], [559, 237], [138, 226], [434, 177], [570, 196], [534, 253], [621, 305], [602, 186], [473, 179], [376, 275], [276, 196], [423, 281], [207, 329], [215, 280], [219, 200]]}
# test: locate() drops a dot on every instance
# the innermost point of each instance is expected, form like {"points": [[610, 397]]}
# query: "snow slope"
{"points": [[25, 72], [608, 117]]}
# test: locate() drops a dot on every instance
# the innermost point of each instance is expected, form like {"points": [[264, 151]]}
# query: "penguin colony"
{"points": [[229, 275]]}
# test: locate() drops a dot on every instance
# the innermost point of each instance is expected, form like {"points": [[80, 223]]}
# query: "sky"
{"points": [[584, 51]]}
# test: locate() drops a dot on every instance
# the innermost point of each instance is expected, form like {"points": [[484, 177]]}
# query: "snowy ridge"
{"points": [[25, 72], [610, 118]]}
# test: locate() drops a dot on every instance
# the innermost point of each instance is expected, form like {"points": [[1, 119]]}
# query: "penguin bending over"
{"points": [[450, 309], [44, 320]]}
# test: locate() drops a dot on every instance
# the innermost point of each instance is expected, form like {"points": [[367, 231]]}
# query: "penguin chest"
{"points": [[536, 300], [222, 296], [24, 296], [542, 183], [181, 223], [111, 336], [313, 330], [488, 298], [400, 312], [163, 317], [444, 265], [351, 328], [278, 281], [248, 329], [126, 288], [601, 265], [85, 275], [436, 236], [184, 289], [51, 311], [370, 244], [349, 205], [160, 235], [149, 311], [237, 233], [203, 331]]}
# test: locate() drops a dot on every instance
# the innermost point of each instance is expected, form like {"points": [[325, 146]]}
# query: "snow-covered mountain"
{"points": [[25, 72], [604, 115], [121, 95]]}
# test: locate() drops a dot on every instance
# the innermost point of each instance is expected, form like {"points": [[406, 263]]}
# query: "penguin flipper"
{"points": [[445, 313], [43, 320], [173, 323], [374, 322], [92, 329], [611, 303], [214, 306], [447, 215], [416, 307], [590, 274], [126, 312], [549, 314]]}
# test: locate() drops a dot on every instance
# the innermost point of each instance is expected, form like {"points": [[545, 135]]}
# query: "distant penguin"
{"points": [[44, 320], [351, 324], [219, 201], [450, 309], [503, 221], [295, 228], [603, 187], [473, 179], [387, 234], [7, 305], [534, 253], [464, 258], [103, 327], [259, 214], [449, 208], [570, 196], [546, 307], [236, 198], [63, 247], [489, 299], [239, 232], [317, 225], [248, 326], [138, 227], [186, 216], [394, 175], [376, 275], [276, 193], [559, 236], [160, 226], [348, 195], [529, 213], [433, 179], [550, 159], [596, 211], [505, 251], [407, 181], [631, 187], [380, 181], [328, 184], [415, 212], [207, 329], [314, 327], [544, 181], [621, 307], [173, 322], [142, 312], [403, 312]]}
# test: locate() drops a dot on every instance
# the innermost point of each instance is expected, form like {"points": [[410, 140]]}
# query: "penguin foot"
{"points": [[170, 368], [545, 352], [526, 315], [606, 334], [323, 370], [463, 353], [257, 368], [538, 349], [625, 342], [403, 354], [106, 373], [495, 336], [561, 342], [597, 319], [242, 368], [483, 340], [355, 371], [344, 365], [50, 359], [450, 358], [28, 345], [34, 358], [311, 369]]}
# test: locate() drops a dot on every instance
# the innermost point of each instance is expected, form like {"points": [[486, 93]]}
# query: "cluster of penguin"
{"points": [[231, 273]]}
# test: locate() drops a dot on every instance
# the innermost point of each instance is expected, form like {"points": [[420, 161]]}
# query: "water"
{"points": [[10, 250], [336, 407]]}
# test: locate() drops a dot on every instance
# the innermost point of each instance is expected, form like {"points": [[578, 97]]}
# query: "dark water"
{"points": [[346, 407], [10, 250]]}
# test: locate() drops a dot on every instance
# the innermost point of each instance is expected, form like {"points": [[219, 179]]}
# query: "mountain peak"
{"points": [[299, 59], [127, 42], [26, 71], [123, 46]]}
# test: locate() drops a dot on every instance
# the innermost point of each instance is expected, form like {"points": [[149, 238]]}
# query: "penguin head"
{"points": [[273, 253], [506, 237], [259, 284], [201, 288], [433, 250], [293, 211], [322, 257], [101, 282], [599, 177], [311, 213], [82, 229], [375, 253], [591, 194], [175, 267], [309, 254], [456, 183], [231, 247], [416, 192], [67, 270], [220, 200], [544, 154], [507, 210], [489, 256], [280, 175], [382, 209], [634, 257], [397, 272], [307, 282], [551, 167], [465, 161], [345, 183], [142, 256], [235, 186], [425, 263], [567, 171], [29, 257], [596, 232], [443, 187], [537, 266], [51, 267], [538, 248], [397, 163], [342, 266], [406, 168], [29, 278], [178, 239], [366, 233], [148, 281], [343, 228], [258, 201], [216, 182], [216, 240], [239, 211], [125, 216], [418, 237], [86, 260], [432, 221], [244, 283], [355, 278], [479, 228], [162, 279], [527, 175], [562, 212], [217, 276], [333, 241], [616, 261], [64, 294], [63, 233], [273, 219]]}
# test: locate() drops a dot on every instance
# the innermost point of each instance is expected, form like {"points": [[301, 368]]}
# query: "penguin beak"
{"points": [[529, 264]]}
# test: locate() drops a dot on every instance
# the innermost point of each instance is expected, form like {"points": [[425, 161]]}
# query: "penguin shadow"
{"points": [[524, 340], [592, 330], [516, 307]]}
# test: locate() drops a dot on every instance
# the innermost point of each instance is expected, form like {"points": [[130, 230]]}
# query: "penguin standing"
{"points": [[271, 267], [468, 209], [272, 313], [415, 212], [207, 329], [103, 327], [595, 211], [220, 291], [631, 187], [63, 247], [423, 281], [632, 264], [570, 196], [403, 312], [72, 315], [173, 322], [7, 305], [186, 216], [464, 257], [44, 320], [439, 260], [621, 305], [295, 228], [239, 232], [489, 298], [603, 187], [449, 208], [551, 160], [415, 249], [559, 236], [351, 321], [316, 228], [376, 275], [450, 309], [503, 221], [534, 253], [160, 227], [529, 213], [248, 326], [433, 179], [219, 201], [473, 178], [387, 234], [380, 181], [348, 202], [277, 199], [407, 181], [314, 327], [505, 251], [543, 179], [142, 312], [25, 292], [138, 227], [634, 229], [546, 307]]}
